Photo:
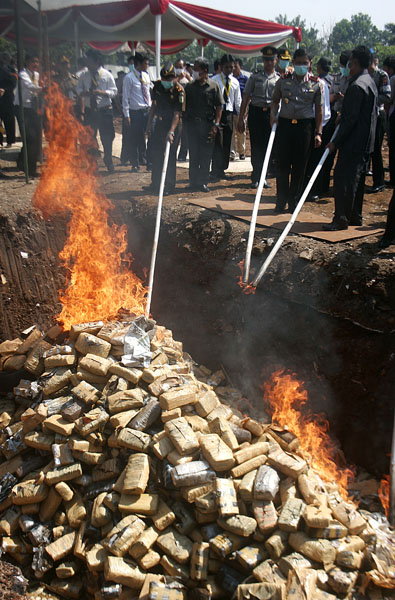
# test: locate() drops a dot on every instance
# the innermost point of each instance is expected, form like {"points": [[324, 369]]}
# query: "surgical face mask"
{"points": [[283, 64], [178, 71], [130, 67], [167, 84], [301, 70], [195, 75], [345, 71]]}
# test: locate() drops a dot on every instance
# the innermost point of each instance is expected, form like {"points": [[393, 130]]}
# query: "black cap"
{"points": [[167, 70], [325, 63], [269, 52]]}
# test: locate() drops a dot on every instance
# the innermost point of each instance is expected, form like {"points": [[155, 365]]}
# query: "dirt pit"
{"points": [[329, 318]]}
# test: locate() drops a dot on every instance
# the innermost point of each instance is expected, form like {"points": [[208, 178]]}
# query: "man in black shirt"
{"points": [[355, 141], [203, 111], [8, 79]]}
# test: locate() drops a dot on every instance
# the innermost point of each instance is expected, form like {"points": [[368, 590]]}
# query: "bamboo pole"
{"points": [[292, 220], [157, 229], [19, 49], [257, 202], [391, 512]]}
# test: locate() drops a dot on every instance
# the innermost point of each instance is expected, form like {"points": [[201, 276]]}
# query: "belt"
{"points": [[261, 108]]}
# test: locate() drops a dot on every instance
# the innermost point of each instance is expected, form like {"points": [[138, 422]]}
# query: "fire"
{"points": [[247, 288], [99, 281], [384, 493], [287, 399]]}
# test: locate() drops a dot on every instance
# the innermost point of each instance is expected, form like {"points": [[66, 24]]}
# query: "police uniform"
{"points": [[202, 101], [382, 83], [295, 134], [165, 104], [283, 56], [260, 87]]}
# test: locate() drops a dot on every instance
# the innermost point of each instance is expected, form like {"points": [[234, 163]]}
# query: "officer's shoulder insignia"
{"points": [[385, 80], [314, 78]]}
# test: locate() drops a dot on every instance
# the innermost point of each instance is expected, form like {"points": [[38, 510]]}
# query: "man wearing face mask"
{"points": [[284, 59], [300, 120], [167, 106], [183, 78], [203, 111], [230, 89], [258, 94], [354, 140], [136, 103]]}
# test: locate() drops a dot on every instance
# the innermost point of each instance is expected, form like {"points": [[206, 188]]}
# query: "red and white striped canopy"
{"points": [[108, 24]]}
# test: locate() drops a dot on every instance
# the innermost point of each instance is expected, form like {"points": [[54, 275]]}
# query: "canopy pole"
{"points": [[257, 203], [76, 43], [292, 220], [40, 33], [202, 51], [158, 41], [157, 230], [19, 50]]}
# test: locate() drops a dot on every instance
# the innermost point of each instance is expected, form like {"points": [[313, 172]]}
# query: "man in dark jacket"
{"points": [[8, 79], [355, 141]]}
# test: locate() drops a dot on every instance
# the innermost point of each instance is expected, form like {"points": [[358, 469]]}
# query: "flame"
{"points": [[384, 493], [99, 281], [287, 398], [247, 288]]}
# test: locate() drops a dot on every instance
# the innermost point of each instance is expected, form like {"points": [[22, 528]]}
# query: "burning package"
{"points": [[128, 472]]}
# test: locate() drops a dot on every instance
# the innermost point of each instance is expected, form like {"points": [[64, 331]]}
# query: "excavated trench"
{"points": [[298, 320]]}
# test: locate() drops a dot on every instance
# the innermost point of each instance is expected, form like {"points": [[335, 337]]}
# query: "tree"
{"points": [[359, 30], [388, 34], [311, 39]]}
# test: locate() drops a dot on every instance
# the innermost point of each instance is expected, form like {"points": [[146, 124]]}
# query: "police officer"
{"points": [[382, 83], [299, 122], [167, 104], [258, 94], [65, 80], [355, 140], [284, 60], [203, 112]]}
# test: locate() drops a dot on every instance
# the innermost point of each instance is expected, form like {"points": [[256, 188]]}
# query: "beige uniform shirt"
{"points": [[260, 87], [298, 98]]}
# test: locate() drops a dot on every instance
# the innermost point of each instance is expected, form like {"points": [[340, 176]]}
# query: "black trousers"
{"points": [[377, 158], [158, 152], [259, 126], [294, 143], [222, 144], [33, 138], [200, 150], [7, 115], [102, 120], [126, 139], [182, 155], [321, 184], [390, 227], [349, 180], [391, 147], [138, 147]]}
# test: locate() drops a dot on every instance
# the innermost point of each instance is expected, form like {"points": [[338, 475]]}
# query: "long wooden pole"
{"points": [[391, 513], [292, 220], [19, 59], [157, 229], [257, 202]]}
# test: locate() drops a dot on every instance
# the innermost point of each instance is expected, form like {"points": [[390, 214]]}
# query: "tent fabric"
{"points": [[122, 20]]}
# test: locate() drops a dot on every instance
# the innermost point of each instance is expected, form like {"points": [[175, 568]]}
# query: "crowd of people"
{"points": [[207, 116]]}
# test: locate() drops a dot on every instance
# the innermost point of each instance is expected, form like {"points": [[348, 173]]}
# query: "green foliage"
{"points": [[6, 46], [311, 40], [383, 51], [359, 30]]}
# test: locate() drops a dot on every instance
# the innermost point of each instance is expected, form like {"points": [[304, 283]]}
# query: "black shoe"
{"points": [[389, 184], [339, 224], [168, 191], [203, 188], [232, 158], [149, 167], [312, 199], [375, 190], [385, 242], [254, 185], [355, 222], [135, 169], [226, 177], [266, 185], [213, 177], [182, 158], [280, 209], [150, 188], [369, 174], [242, 157], [3, 175], [192, 187], [110, 168]]}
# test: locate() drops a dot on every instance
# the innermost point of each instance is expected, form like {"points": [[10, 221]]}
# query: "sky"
{"points": [[321, 13]]}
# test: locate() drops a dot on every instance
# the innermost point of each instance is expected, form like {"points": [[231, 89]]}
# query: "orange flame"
{"points": [[384, 493], [99, 282], [287, 398], [247, 288]]}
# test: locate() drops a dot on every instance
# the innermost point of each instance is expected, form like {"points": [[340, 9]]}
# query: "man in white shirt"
{"points": [[136, 103], [97, 88], [31, 91], [230, 89]]}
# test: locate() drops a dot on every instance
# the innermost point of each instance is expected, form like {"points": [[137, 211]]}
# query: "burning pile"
{"points": [[127, 474]]}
